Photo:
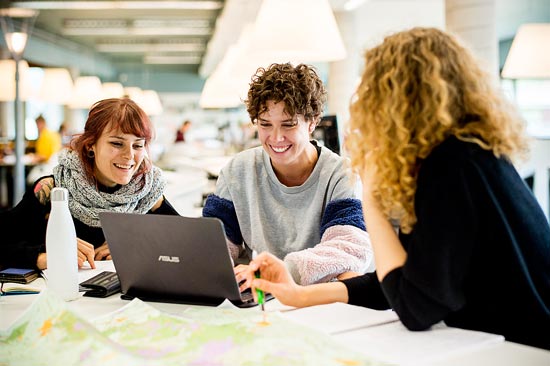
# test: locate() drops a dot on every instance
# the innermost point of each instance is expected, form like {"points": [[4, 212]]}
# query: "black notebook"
{"points": [[18, 275]]}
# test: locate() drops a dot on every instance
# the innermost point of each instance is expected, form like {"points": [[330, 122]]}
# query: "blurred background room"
{"points": [[192, 61]]}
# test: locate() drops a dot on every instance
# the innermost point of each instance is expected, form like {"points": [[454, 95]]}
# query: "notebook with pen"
{"points": [[172, 259]]}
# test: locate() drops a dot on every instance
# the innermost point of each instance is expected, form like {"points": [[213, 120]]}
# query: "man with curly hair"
{"points": [[291, 197]]}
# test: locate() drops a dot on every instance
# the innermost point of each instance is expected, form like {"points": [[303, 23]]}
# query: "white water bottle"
{"points": [[61, 247]]}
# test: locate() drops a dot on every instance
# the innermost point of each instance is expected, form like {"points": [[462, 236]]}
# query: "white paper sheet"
{"points": [[87, 272], [339, 317], [394, 343]]}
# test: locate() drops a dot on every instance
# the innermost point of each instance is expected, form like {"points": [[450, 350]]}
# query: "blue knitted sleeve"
{"points": [[346, 211], [224, 210]]}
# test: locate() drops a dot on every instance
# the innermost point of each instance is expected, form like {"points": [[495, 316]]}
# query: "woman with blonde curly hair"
{"points": [[433, 142]]}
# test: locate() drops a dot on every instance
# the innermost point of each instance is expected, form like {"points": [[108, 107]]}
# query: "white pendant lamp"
{"points": [[225, 89], [7, 81], [86, 92], [150, 103], [112, 90], [57, 86], [133, 92], [299, 30], [529, 55]]}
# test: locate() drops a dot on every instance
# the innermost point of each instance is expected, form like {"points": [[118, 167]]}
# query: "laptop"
{"points": [[172, 259]]}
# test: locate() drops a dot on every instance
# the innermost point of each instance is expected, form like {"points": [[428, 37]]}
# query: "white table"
{"points": [[323, 317], [502, 354]]}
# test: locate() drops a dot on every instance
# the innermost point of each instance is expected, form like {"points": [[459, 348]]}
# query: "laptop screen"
{"points": [[171, 258]]}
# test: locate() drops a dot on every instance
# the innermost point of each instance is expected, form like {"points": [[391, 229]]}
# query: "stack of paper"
{"points": [[338, 317], [396, 344], [380, 334]]}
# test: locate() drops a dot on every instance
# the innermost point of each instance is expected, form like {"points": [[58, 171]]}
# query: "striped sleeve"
{"points": [[224, 210], [346, 211]]}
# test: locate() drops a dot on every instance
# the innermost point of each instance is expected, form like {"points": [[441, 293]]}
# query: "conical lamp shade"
{"points": [[219, 92], [298, 30], [529, 56], [87, 91], [133, 92], [150, 103], [112, 90], [7, 81], [57, 86]]}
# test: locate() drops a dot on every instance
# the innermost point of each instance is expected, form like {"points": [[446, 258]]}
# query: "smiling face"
{"points": [[286, 138], [117, 157]]}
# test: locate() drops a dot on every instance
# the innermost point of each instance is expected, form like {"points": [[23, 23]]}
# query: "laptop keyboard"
{"points": [[246, 296]]}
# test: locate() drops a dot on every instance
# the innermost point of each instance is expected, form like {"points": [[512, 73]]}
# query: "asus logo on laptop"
{"points": [[167, 258]]}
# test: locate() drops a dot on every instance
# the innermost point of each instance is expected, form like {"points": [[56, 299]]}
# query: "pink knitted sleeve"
{"points": [[342, 248]]}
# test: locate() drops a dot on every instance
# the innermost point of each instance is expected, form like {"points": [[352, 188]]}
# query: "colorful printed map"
{"points": [[138, 334]]}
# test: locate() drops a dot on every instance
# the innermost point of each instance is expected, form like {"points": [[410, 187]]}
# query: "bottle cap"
{"points": [[59, 194]]}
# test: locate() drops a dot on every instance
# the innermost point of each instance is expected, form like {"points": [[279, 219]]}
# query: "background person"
{"points": [[291, 197], [48, 142], [106, 169], [180, 133], [433, 141]]}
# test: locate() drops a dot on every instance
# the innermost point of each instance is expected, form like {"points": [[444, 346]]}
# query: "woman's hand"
{"points": [[85, 253], [241, 272], [103, 252], [275, 279], [42, 261]]}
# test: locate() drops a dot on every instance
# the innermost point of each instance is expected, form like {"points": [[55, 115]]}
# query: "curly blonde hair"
{"points": [[418, 88]]}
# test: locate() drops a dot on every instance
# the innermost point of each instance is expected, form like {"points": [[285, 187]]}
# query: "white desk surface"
{"points": [[493, 353]]}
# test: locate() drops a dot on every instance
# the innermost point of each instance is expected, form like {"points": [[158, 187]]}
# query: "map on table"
{"points": [[49, 333]]}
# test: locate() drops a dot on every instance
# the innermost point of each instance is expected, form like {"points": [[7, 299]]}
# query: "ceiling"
{"points": [[166, 34], [133, 32], [191, 35]]}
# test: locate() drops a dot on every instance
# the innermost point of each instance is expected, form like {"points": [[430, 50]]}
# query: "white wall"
{"points": [[366, 27], [379, 18]]}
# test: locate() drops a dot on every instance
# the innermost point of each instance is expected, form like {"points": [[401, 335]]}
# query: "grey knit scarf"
{"points": [[86, 201]]}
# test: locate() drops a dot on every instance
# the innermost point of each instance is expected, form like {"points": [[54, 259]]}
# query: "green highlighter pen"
{"points": [[260, 293]]}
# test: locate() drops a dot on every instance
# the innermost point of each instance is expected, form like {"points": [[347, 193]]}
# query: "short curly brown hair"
{"points": [[299, 87]]}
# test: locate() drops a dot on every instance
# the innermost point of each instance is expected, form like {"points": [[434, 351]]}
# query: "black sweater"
{"points": [[23, 231], [477, 258]]}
